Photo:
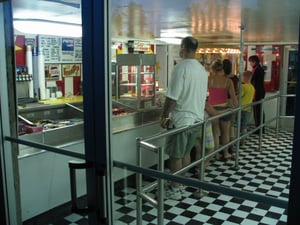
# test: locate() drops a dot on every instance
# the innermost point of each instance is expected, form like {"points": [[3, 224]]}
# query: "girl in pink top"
{"points": [[220, 87]]}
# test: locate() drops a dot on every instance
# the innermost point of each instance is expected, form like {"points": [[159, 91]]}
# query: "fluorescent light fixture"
{"points": [[48, 28], [173, 36], [175, 41], [171, 33]]}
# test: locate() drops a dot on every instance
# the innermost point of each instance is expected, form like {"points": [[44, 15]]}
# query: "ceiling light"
{"points": [[171, 33], [219, 50], [175, 41]]}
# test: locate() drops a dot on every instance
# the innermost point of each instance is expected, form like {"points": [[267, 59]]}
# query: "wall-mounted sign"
{"points": [[60, 49], [53, 71], [71, 70], [141, 46]]}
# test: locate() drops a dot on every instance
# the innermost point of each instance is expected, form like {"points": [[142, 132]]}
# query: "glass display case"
{"points": [[135, 80]]}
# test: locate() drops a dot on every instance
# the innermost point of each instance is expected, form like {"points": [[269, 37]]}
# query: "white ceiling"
{"points": [[68, 11], [211, 21]]}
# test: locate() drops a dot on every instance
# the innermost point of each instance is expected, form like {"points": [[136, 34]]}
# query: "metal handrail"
{"points": [[45, 147], [288, 95], [144, 142], [203, 184]]}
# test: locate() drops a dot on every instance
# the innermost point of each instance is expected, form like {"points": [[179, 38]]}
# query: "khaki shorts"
{"points": [[178, 145]]}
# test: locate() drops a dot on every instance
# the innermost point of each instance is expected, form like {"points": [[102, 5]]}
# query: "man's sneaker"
{"points": [[173, 193], [199, 193], [181, 189]]}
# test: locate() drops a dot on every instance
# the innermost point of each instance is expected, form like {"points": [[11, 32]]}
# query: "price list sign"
{"points": [[50, 47], [61, 49]]}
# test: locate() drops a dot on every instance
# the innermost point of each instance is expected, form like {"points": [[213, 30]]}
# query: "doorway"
{"points": [[288, 84], [292, 81]]}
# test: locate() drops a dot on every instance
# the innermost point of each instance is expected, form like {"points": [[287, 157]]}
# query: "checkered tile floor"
{"points": [[264, 172]]}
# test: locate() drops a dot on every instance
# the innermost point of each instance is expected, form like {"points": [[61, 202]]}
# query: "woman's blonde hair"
{"points": [[217, 66], [247, 74]]}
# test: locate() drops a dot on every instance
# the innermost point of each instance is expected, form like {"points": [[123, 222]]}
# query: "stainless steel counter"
{"points": [[73, 131], [134, 119]]}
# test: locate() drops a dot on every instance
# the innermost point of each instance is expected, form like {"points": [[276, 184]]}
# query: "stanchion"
{"points": [[73, 166]]}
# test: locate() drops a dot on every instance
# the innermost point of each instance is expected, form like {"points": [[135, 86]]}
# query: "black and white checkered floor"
{"points": [[264, 172]]}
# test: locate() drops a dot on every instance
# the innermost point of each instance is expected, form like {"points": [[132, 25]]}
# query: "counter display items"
{"points": [[48, 117]]}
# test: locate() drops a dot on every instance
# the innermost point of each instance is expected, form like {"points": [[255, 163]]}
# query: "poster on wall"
{"points": [[53, 71], [60, 49], [71, 70], [77, 50], [67, 49]]}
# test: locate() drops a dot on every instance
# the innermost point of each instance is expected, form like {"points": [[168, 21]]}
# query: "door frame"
{"points": [[294, 195], [97, 114], [96, 52], [9, 151], [285, 122]]}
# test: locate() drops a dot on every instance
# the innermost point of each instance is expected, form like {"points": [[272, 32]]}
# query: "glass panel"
{"points": [[51, 112], [292, 82], [132, 20], [137, 97], [135, 101], [48, 47]]}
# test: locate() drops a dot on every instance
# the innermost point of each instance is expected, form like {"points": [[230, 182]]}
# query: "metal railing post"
{"points": [[241, 70], [278, 114], [160, 201], [261, 122], [238, 135], [203, 156], [139, 184]]}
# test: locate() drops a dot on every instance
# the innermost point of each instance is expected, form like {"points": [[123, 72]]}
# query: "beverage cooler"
{"points": [[136, 108], [135, 80], [134, 101]]}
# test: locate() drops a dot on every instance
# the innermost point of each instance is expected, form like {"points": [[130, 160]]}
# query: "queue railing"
{"points": [[146, 143]]}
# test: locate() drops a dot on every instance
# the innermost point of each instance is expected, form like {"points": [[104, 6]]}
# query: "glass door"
{"points": [[42, 113], [47, 125], [288, 84], [10, 197], [292, 82]]}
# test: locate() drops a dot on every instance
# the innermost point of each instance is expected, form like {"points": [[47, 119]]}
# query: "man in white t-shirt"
{"points": [[184, 106]]}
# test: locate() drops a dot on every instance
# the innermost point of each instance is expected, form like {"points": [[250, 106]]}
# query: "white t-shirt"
{"points": [[188, 87]]}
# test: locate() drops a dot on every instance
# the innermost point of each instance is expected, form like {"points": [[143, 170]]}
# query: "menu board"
{"points": [[60, 49]]}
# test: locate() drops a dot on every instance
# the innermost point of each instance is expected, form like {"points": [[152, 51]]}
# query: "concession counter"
{"points": [[62, 126], [63, 123]]}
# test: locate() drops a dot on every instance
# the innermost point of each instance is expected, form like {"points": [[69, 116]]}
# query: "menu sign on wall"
{"points": [[71, 70], [60, 49], [141, 46]]}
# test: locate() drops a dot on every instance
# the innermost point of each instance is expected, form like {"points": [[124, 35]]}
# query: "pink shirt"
{"points": [[217, 96]]}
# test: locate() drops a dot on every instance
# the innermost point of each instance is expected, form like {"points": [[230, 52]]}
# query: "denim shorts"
{"points": [[224, 118], [245, 117]]}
